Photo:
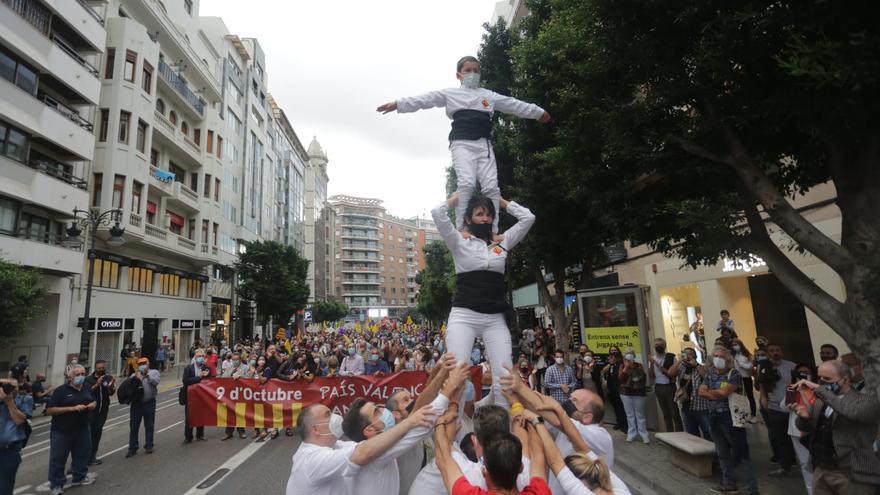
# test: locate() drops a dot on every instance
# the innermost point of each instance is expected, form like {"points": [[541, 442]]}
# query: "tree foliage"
{"points": [[697, 124], [273, 276], [436, 282], [328, 311], [22, 300]]}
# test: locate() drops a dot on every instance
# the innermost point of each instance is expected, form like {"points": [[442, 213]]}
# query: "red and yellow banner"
{"points": [[245, 403]]}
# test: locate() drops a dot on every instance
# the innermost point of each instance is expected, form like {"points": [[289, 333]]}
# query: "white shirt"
{"points": [[473, 254], [352, 365], [657, 363], [382, 475], [462, 98], [430, 481], [596, 437], [319, 470], [409, 466], [569, 484]]}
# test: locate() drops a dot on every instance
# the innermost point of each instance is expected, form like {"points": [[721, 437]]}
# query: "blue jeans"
{"points": [[145, 411], [78, 444], [10, 459], [696, 422], [733, 451]]}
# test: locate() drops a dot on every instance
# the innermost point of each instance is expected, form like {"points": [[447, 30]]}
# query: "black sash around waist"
{"points": [[470, 125], [482, 291]]}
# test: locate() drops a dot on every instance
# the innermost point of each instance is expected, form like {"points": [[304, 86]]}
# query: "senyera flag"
{"points": [[246, 403]]}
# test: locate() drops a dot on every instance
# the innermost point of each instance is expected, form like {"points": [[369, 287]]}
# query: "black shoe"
{"points": [[774, 460], [201, 439], [187, 440], [130, 453], [723, 491], [95, 462], [148, 450]]}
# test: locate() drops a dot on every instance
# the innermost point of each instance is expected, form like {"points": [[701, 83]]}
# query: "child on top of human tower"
{"points": [[470, 107]]}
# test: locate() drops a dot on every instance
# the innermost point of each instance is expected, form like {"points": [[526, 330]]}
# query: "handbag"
{"points": [[738, 405]]}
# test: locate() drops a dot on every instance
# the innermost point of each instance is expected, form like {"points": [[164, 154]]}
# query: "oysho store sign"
{"points": [[109, 323], [187, 323]]}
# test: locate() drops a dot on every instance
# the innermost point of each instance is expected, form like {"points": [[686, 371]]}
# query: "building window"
{"points": [[160, 106], [130, 63], [217, 190], [184, 128], [13, 142], [118, 190], [177, 223], [205, 226], [141, 139], [169, 284], [9, 215], [106, 274], [154, 157], [140, 279], [210, 144], [151, 213], [219, 146], [136, 190], [179, 173], [172, 117], [207, 190], [147, 77], [109, 62], [191, 231], [105, 123], [124, 123], [188, 6], [193, 288], [96, 189], [197, 136]]}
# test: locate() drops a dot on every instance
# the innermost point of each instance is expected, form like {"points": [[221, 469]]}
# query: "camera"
{"points": [[8, 388]]}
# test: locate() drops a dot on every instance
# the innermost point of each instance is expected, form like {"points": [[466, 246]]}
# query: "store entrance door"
{"points": [[781, 318], [150, 340]]}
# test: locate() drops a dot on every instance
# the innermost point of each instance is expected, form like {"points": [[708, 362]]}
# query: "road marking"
{"points": [[124, 447], [227, 468], [21, 489]]}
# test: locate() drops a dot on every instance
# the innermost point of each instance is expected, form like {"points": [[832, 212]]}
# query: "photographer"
{"points": [[15, 409], [69, 435], [103, 386]]}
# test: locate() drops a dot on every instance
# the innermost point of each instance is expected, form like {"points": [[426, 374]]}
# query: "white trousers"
{"points": [[634, 405], [472, 161], [462, 329], [803, 456]]}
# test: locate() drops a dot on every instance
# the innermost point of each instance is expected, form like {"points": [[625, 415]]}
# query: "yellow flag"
{"points": [[409, 320], [287, 346]]}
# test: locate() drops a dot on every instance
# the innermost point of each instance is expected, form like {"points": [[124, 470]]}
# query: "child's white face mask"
{"points": [[471, 80]]}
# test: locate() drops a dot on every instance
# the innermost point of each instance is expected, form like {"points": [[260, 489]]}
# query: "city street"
{"points": [[239, 465]]}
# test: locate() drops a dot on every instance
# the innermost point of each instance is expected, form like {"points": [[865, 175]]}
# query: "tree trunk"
{"points": [[556, 303]]}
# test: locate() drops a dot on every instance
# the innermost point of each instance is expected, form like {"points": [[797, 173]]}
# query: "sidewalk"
{"points": [[650, 469]]}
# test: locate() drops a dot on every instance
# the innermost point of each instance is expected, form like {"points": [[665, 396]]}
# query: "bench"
{"points": [[690, 453]]}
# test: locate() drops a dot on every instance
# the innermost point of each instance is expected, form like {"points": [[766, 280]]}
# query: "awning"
{"points": [[103, 255], [151, 207], [148, 266], [176, 219]]}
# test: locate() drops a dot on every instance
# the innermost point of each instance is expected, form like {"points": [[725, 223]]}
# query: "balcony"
{"points": [[359, 269], [185, 243], [162, 181], [209, 253], [347, 221], [47, 118], [361, 247], [358, 281], [134, 220], [40, 250], [181, 88], [352, 257], [155, 232], [177, 140], [184, 196], [359, 235]]}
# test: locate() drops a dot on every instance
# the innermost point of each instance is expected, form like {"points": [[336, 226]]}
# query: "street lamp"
{"points": [[91, 220]]}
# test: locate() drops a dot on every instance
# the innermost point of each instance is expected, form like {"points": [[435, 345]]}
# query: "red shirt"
{"points": [[536, 486]]}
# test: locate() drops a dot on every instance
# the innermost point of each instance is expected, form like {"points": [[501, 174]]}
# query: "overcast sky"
{"points": [[330, 63]]}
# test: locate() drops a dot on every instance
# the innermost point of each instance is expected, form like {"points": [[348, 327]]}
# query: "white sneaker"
{"points": [[88, 480], [753, 420], [57, 490]]}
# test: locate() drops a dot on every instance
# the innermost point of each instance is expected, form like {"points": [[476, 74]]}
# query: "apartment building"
{"points": [[164, 118], [319, 225], [49, 87], [378, 256]]}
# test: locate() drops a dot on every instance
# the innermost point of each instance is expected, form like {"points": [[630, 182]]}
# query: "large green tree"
{"points": [[21, 302], [328, 311], [701, 121], [273, 276], [436, 283]]}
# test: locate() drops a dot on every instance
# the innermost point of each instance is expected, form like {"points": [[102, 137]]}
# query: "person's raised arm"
{"points": [[450, 235], [551, 452], [431, 99], [443, 435], [538, 466], [532, 400], [373, 448], [435, 382], [512, 106], [566, 425], [524, 221]]}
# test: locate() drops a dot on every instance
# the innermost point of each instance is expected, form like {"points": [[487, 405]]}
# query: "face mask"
{"points": [[524, 368], [629, 357], [559, 361], [436, 356], [334, 426], [588, 359], [374, 357], [761, 357], [142, 368], [471, 80], [411, 406], [833, 387], [804, 375], [481, 230], [569, 407], [252, 362], [736, 348], [351, 351], [719, 362], [99, 372], [236, 363], [469, 391], [200, 360], [386, 417], [659, 348], [79, 380]]}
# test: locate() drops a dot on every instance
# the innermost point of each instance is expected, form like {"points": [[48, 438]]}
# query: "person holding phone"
{"points": [[799, 439]]}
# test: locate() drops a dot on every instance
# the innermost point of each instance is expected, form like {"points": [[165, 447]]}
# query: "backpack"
{"points": [[129, 390]]}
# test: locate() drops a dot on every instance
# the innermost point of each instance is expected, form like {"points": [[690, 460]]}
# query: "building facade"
{"points": [[378, 256], [164, 117], [319, 225], [49, 89]]}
